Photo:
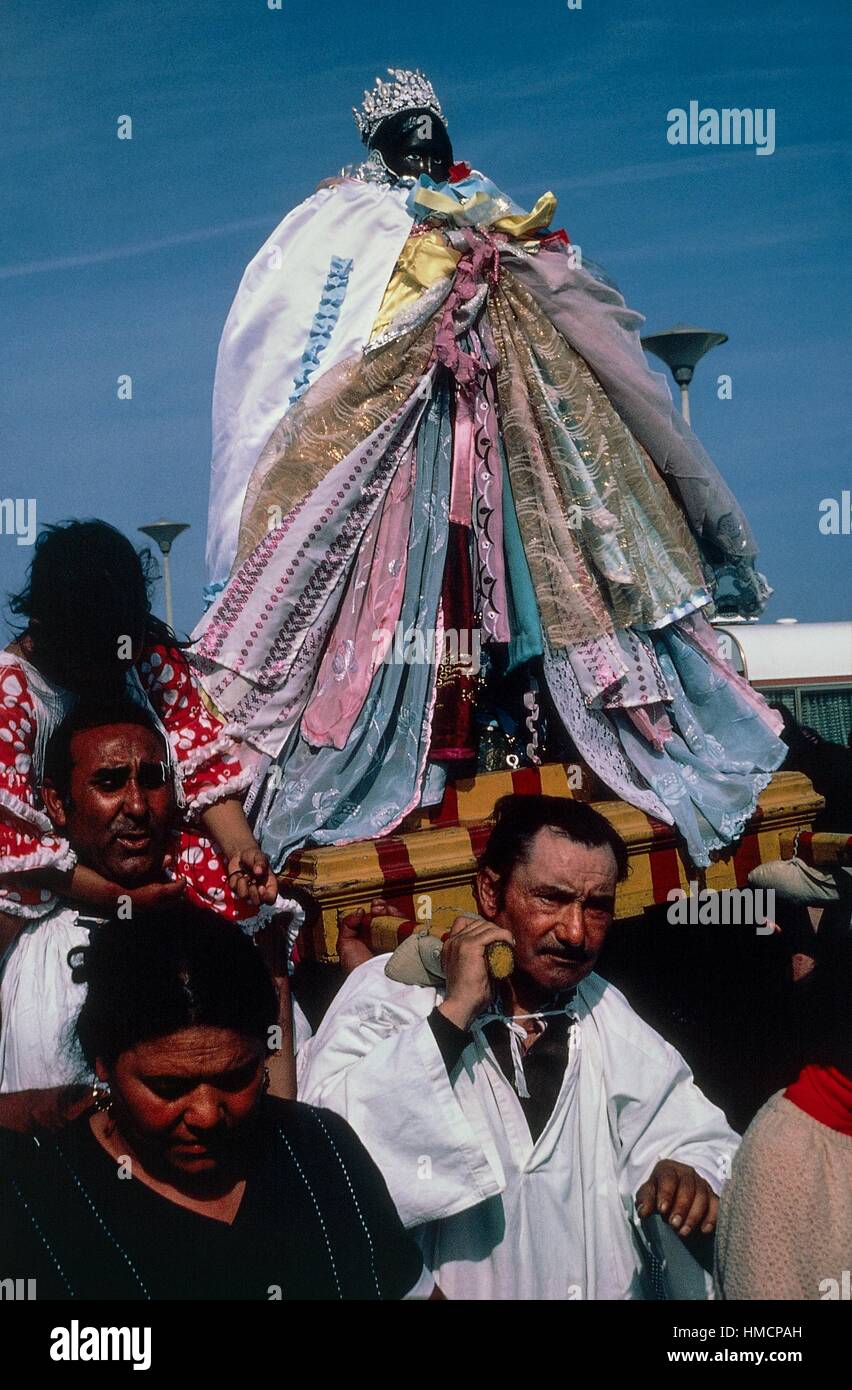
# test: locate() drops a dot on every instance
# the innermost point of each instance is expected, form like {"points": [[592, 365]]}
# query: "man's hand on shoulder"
{"points": [[353, 938], [148, 897], [677, 1192]]}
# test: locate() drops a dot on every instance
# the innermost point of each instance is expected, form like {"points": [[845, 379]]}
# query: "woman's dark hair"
{"points": [[519, 818], [180, 967], [87, 587]]}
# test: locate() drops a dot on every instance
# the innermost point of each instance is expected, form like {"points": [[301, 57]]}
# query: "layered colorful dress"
{"points": [[463, 453]]}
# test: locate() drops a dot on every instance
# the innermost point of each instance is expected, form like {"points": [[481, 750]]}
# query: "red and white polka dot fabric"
{"points": [[210, 766], [27, 838]]}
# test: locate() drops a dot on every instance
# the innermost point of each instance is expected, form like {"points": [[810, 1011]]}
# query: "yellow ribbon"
{"points": [[423, 261], [427, 258], [520, 224]]}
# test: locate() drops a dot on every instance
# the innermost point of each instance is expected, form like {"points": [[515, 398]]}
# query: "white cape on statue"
{"points": [[308, 299]]}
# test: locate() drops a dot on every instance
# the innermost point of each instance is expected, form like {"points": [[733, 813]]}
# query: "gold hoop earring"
{"points": [[102, 1098]]}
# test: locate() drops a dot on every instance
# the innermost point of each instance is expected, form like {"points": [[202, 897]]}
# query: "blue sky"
{"points": [[123, 256]]}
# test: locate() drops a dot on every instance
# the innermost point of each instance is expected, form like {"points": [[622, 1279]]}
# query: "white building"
{"points": [[808, 666]]}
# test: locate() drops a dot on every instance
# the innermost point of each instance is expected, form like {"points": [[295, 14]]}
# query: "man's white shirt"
{"points": [[498, 1215]]}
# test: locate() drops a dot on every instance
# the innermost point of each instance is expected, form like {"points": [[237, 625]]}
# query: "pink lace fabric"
{"points": [[258, 649], [365, 626]]}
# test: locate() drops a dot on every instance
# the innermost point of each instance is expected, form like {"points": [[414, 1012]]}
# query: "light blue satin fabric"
{"points": [[722, 755], [495, 205], [321, 796]]}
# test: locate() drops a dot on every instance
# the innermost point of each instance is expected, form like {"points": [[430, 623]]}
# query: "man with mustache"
{"points": [[525, 1130], [109, 791]]}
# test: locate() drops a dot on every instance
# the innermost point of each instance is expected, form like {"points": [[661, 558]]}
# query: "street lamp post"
{"points": [[164, 533], [681, 348]]}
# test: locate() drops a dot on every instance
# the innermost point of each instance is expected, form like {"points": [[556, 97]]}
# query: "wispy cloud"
{"points": [[703, 163], [144, 248], [647, 172]]}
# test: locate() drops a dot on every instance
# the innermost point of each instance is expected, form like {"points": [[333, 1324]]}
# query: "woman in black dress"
{"points": [[185, 1180]]}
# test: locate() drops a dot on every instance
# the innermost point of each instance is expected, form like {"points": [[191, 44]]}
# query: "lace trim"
{"points": [[28, 912], [220, 746], [22, 811], [270, 912], [733, 826], [597, 740], [63, 857], [221, 791]]}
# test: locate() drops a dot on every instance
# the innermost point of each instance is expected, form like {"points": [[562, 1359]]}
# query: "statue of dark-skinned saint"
{"points": [[455, 519]]}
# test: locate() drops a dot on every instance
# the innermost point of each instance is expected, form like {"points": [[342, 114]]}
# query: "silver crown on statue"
{"points": [[409, 91]]}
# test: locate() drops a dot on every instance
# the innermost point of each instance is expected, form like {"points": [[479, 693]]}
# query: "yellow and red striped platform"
{"points": [[427, 869], [824, 850]]}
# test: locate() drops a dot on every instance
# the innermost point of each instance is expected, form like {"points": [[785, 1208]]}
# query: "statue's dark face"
{"points": [[414, 143]]}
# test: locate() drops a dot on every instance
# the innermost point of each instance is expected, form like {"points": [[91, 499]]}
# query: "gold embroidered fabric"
{"points": [[606, 544], [339, 411]]}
